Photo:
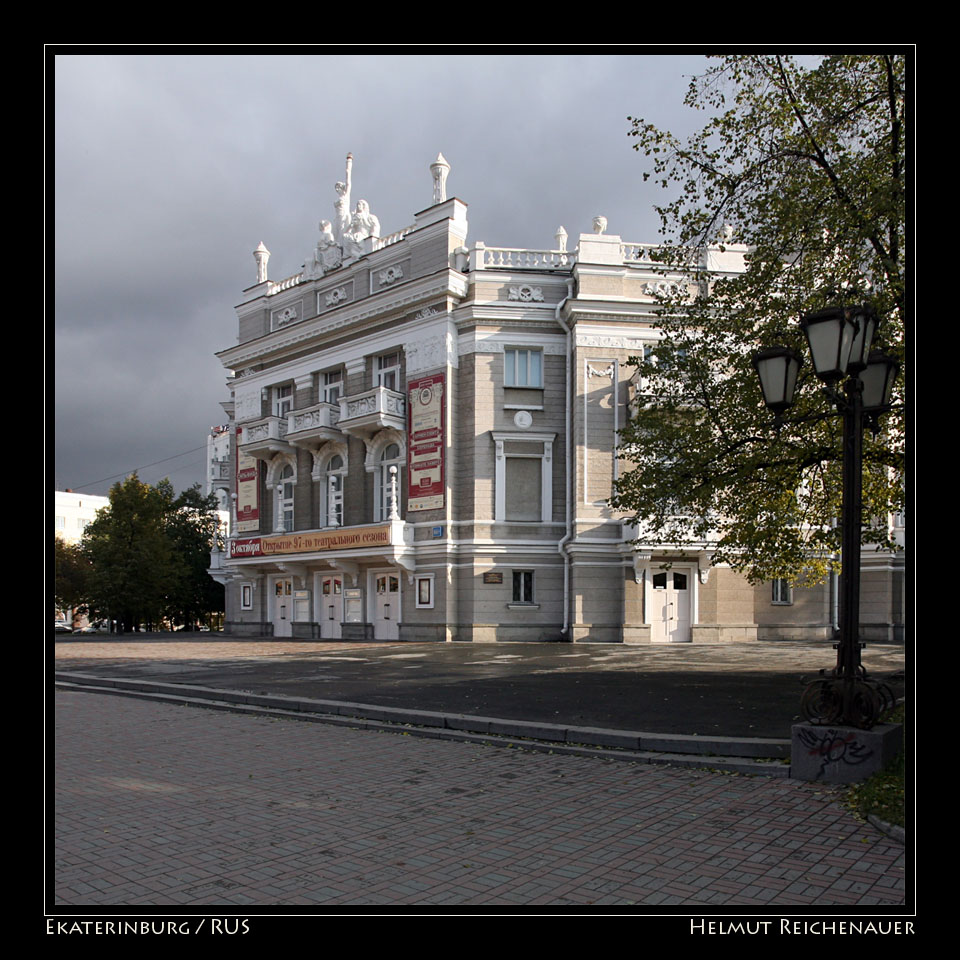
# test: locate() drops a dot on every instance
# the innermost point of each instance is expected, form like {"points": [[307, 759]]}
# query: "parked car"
{"points": [[61, 626], [100, 626]]}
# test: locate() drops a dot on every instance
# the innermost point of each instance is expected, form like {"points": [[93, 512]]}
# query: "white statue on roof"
{"points": [[341, 205], [343, 237], [363, 224], [327, 255]]}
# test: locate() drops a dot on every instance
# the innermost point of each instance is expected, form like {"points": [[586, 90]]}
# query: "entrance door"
{"points": [[331, 607], [282, 607], [670, 607], [386, 624]]}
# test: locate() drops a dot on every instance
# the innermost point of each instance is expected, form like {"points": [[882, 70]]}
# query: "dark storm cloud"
{"points": [[168, 170]]}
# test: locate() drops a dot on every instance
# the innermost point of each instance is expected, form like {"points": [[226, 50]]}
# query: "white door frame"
{"points": [[329, 629], [282, 625], [693, 583], [393, 624]]}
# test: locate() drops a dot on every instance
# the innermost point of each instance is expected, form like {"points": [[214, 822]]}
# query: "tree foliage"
{"points": [[192, 529], [71, 575], [801, 170], [148, 553]]}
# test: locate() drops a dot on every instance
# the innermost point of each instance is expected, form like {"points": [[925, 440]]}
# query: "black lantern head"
{"points": [[777, 368], [830, 334], [877, 379], [866, 322]]}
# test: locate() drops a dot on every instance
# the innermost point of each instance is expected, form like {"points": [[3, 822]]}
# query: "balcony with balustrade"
{"points": [[483, 257], [363, 414], [221, 470], [265, 438], [314, 425]]}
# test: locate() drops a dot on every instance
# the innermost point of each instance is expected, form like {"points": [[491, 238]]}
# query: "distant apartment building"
{"points": [[220, 465], [73, 512]]}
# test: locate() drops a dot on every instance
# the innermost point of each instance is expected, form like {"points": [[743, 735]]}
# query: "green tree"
{"points": [[130, 554], [802, 169], [71, 575], [192, 529], [148, 553]]}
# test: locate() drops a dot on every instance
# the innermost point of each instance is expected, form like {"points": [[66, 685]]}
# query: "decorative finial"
{"points": [[261, 255], [439, 168], [599, 224], [561, 238]]}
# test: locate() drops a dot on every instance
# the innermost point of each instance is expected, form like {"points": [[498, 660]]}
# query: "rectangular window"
{"points": [[388, 371], [523, 479], [523, 586], [332, 386], [524, 488], [61, 523], [282, 400], [246, 596], [425, 591], [782, 592], [522, 367]]}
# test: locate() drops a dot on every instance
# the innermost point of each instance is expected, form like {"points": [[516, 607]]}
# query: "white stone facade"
{"points": [[423, 442]]}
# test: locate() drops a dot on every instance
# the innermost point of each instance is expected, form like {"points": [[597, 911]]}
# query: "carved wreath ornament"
{"points": [[526, 293], [390, 275], [661, 288]]}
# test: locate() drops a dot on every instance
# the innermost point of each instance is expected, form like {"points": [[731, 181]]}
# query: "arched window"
{"points": [[389, 457], [332, 505], [284, 497]]}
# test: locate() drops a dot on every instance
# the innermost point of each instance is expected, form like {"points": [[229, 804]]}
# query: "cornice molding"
{"points": [[493, 311], [552, 344], [447, 283]]}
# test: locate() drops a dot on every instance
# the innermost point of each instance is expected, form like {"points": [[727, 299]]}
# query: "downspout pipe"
{"points": [[568, 457]]}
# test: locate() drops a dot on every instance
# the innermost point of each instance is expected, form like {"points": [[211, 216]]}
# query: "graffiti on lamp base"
{"points": [[834, 746]]}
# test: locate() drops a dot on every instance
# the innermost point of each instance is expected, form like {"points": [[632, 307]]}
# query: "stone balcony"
{"points": [[313, 426], [265, 438], [364, 414], [221, 470]]}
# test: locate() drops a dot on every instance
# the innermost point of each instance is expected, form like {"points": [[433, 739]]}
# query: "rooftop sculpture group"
{"points": [[344, 238]]}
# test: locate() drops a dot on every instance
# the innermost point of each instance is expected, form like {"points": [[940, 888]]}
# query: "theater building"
{"points": [[424, 432]]}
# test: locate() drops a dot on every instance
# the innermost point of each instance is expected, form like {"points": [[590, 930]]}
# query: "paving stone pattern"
{"points": [[165, 805]]}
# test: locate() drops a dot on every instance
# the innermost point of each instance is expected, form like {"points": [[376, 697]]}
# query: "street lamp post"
{"points": [[839, 339]]}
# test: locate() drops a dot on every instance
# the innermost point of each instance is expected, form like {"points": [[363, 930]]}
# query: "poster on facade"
{"points": [[378, 535], [245, 547], [343, 539], [425, 443], [248, 490]]}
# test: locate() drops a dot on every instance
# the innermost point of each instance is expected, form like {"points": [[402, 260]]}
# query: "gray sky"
{"points": [[169, 170]]}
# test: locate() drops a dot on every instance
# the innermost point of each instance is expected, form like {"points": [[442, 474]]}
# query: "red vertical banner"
{"points": [[248, 490], [425, 443]]}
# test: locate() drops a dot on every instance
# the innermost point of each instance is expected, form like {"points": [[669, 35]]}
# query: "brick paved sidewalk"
{"points": [[163, 805]]}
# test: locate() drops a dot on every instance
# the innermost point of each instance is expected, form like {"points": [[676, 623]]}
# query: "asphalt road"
{"points": [[742, 690]]}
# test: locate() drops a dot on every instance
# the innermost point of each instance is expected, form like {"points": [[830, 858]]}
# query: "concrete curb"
{"points": [[889, 829], [766, 757]]}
